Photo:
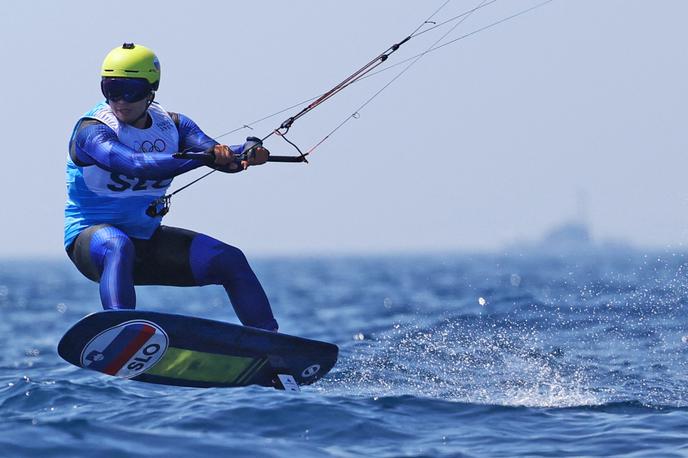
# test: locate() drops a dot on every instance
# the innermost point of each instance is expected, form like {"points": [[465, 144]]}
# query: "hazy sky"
{"points": [[488, 140]]}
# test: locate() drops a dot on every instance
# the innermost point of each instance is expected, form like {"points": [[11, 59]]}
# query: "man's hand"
{"points": [[223, 155], [254, 153]]}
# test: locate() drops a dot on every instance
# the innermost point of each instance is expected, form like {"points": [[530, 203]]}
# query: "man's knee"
{"points": [[231, 256], [117, 244], [98, 243], [217, 262]]}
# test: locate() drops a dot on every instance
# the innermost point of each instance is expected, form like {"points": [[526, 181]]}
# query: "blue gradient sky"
{"points": [[489, 140]]}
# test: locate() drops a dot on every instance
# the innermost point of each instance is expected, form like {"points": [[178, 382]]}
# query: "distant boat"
{"points": [[567, 235], [568, 239]]}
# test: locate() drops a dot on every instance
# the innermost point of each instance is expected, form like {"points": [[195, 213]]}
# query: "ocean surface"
{"points": [[455, 355]]}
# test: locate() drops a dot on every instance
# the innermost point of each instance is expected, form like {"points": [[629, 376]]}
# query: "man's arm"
{"points": [[94, 143], [193, 139]]}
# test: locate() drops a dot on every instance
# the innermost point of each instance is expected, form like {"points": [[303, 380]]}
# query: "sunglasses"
{"points": [[128, 89]]}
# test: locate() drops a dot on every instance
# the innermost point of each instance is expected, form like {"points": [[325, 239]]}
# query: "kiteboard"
{"points": [[181, 350]]}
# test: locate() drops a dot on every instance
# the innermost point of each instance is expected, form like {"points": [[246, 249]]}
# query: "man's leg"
{"points": [[181, 257], [215, 262], [106, 255]]}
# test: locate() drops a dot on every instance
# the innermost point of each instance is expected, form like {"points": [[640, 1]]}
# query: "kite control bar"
{"points": [[209, 157]]}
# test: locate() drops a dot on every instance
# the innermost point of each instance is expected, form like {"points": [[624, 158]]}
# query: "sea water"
{"points": [[510, 354]]}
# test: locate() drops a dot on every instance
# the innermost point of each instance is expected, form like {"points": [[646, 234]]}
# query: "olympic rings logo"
{"points": [[149, 147]]}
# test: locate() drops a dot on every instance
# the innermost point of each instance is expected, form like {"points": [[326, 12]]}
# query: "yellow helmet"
{"points": [[132, 61]]}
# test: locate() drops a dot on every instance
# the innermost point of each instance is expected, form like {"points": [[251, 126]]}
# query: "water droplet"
{"points": [[61, 307], [482, 301], [684, 339], [359, 336]]}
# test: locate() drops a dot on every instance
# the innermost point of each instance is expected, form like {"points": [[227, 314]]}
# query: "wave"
{"points": [[483, 360]]}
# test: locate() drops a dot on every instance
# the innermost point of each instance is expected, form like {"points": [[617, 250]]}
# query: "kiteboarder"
{"points": [[120, 161]]}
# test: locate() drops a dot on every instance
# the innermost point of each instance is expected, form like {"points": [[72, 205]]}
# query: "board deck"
{"points": [[183, 350]]}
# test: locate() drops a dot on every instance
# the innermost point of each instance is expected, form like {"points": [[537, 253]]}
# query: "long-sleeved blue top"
{"points": [[114, 171]]}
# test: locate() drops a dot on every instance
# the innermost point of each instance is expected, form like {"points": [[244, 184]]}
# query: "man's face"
{"points": [[128, 112]]}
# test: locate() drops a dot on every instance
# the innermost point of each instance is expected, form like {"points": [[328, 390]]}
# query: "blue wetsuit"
{"points": [[112, 241]]}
